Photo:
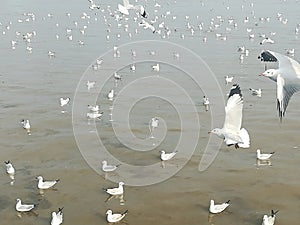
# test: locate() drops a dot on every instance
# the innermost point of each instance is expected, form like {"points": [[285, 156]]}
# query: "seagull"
{"points": [[45, 184], [287, 77], [24, 207], [218, 208], [113, 218], [256, 92], [232, 133], [108, 168], [9, 168], [206, 102], [57, 217], [132, 67], [94, 115], [263, 156], [111, 95], [228, 79], [123, 9], [116, 191], [269, 220], [95, 108], [155, 67], [26, 126], [64, 102], [153, 124], [90, 84], [267, 40], [117, 76], [167, 156]]}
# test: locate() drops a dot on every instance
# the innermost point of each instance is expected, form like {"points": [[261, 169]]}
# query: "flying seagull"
{"points": [[232, 133], [269, 220], [287, 77]]}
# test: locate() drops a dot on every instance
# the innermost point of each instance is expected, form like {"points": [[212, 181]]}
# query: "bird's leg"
{"points": [[236, 145]]}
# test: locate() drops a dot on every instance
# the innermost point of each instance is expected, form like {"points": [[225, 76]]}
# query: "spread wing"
{"points": [[233, 110], [285, 90]]}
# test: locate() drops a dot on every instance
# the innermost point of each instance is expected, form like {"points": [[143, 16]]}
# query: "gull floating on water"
{"points": [[108, 168], [232, 133], [269, 220], [113, 218], [26, 126], [263, 156], [10, 170], [45, 184], [217, 208], [267, 40], [287, 77], [156, 67], [256, 92], [167, 156], [57, 217], [116, 191], [24, 207]]}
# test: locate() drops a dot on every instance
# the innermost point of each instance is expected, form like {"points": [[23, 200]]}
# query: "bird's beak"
{"points": [[209, 132], [261, 74]]}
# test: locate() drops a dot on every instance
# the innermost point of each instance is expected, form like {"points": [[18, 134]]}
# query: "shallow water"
{"points": [[32, 83]]}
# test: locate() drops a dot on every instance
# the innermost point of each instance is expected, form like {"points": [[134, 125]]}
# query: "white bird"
{"points": [[95, 108], [26, 126], [263, 156], [267, 40], [9, 168], [218, 207], [57, 217], [23, 207], [132, 67], [117, 76], [126, 6], [290, 52], [269, 220], [232, 133], [108, 168], [256, 92], [156, 67], [116, 191], [167, 156], [64, 102], [228, 79], [90, 84], [94, 115], [205, 102], [45, 184], [111, 95], [147, 25], [51, 54], [287, 77], [113, 218]]}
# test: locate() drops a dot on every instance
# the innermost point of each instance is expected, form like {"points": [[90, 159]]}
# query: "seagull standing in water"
{"points": [[57, 217], [10, 170], [45, 184], [153, 124], [263, 156], [269, 220], [287, 78], [232, 133], [116, 191], [206, 103], [26, 126]]}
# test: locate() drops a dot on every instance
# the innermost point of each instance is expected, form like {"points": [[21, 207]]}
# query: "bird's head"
{"points": [[108, 212], [269, 73]]}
